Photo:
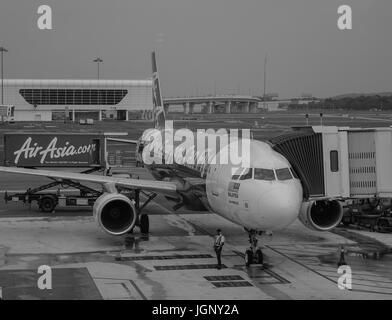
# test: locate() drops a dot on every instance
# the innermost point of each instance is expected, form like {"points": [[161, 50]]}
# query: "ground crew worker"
{"points": [[342, 261], [218, 245]]}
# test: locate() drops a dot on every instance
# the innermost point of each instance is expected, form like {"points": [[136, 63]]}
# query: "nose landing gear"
{"points": [[253, 255]]}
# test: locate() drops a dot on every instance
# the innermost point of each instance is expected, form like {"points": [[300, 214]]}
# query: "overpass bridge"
{"points": [[209, 104]]}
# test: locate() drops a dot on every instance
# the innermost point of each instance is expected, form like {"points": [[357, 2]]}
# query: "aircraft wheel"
{"points": [[259, 256], [248, 257], [144, 224]]}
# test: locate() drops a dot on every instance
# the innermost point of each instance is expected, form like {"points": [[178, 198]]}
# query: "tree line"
{"points": [[370, 102]]}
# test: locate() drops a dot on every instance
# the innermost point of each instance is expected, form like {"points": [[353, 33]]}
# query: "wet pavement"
{"points": [[177, 261]]}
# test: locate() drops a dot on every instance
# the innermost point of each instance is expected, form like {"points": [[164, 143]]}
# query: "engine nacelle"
{"points": [[115, 213], [321, 215]]}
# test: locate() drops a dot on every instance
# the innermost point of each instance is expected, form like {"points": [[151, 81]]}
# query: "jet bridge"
{"points": [[340, 162]]}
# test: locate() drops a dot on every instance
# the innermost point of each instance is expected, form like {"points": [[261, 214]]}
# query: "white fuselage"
{"points": [[264, 195], [255, 203]]}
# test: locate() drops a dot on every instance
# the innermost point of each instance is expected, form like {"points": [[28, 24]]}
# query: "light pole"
{"points": [[265, 79], [2, 50], [98, 61]]}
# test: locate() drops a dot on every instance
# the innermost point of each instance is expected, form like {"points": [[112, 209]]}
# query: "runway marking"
{"points": [[271, 274], [75, 283], [354, 265], [333, 272], [187, 267], [126, 284], [265, 282], [229, 284], [301, 264], [222, 278], [126, 289], [138, 289], [383, 288], [166, 257]]}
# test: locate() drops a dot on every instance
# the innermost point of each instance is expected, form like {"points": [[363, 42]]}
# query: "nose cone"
{"points": [[280, 206]]}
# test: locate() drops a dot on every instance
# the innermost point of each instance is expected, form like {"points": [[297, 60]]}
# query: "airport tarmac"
{"points": [[177, 260]]}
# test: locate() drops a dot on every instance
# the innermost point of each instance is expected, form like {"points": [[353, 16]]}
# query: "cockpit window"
{"points": [[242, 174], [283, 174], [264, 174], [295, 175], [246, 174], [237, 174]]}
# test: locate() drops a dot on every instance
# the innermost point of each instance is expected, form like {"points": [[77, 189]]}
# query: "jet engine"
{"points": [[321, 215], [115, 213]]}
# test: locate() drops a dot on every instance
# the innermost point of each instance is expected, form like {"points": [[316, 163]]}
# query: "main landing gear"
{"points": [[253, 255], [144, 224], [143, 221]]}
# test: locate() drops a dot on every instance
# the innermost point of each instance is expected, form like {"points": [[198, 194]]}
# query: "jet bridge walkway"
{"points": [[304, 151], [340, 162]]}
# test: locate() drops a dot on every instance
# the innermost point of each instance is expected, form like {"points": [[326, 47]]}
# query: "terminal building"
{"points": [[47, 100]]}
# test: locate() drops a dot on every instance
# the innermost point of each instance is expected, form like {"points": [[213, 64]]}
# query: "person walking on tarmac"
{"points": [[342, 260], [218, 245]]}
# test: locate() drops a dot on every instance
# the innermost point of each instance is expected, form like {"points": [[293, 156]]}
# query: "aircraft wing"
{"points": [[164, 187]]}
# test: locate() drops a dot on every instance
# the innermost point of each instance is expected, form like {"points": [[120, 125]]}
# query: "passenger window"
{"points": [[334, 161], [246, 174], [264, 174], [283, 174]]}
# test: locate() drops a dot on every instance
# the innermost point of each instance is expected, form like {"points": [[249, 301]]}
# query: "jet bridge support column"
{"points": [[211, 106], [228, 107], [253, 107], [246, 107], [188, 107]]}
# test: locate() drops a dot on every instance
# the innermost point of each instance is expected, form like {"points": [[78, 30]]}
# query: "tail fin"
{"points": [[158, 109]]}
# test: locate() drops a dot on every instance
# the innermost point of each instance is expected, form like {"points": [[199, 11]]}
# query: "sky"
{"points": [[205, 46]]}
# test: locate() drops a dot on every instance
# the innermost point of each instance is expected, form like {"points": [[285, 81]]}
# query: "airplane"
{"points": [[265, 196]]}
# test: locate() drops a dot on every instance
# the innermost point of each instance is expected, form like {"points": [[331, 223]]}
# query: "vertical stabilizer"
{"points": [[158, 109]]}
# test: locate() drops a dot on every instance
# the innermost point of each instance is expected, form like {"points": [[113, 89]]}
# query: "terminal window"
{"points": [[334, 161], [73, 96]]}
